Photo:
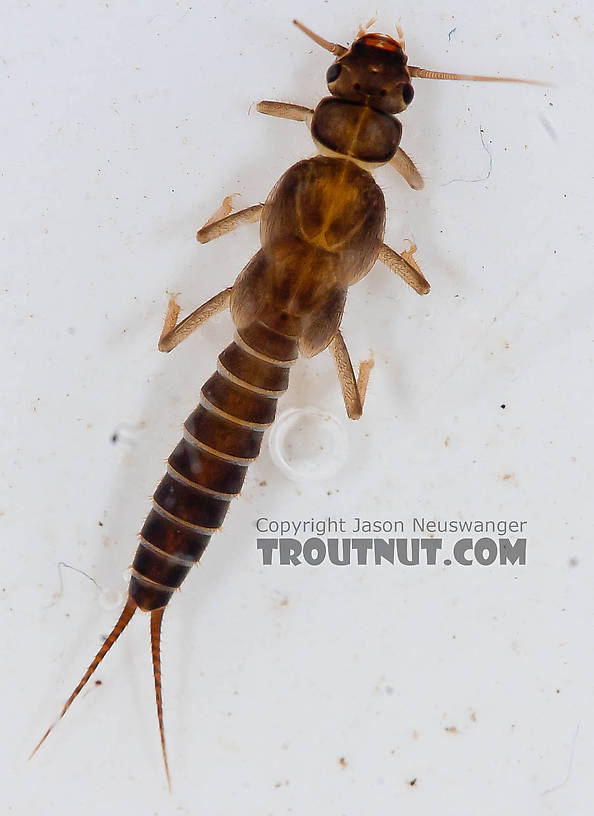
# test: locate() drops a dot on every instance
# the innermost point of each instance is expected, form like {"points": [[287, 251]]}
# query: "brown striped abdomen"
{"points": [[207, 468]]}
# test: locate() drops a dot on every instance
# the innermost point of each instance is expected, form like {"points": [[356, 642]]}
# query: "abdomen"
{"points": [[207, 468]]}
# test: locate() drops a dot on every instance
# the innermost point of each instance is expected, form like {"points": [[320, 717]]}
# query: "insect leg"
{"points": [[285, 110], [405, 166], [353, 390], [215, 229], [405, 267], [173, 334]]}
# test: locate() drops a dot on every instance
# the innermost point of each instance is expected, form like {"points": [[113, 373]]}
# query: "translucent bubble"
{"points": [[111, 598], [308, 444]]}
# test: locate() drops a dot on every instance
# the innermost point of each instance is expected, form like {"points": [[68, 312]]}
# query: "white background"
{"points": [[124, 125]]}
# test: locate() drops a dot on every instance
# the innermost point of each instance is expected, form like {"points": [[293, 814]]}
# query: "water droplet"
{"points": [[111, 598], [308, 444]]}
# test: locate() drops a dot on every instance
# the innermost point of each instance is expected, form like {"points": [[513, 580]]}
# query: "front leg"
{"points": [[353, 390], [406, 167], [286, 110]]}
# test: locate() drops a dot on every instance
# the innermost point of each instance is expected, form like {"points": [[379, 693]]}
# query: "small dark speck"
{"points": [[115, 436], [502, 405], [412, 782], [548, 127], [98, 682], [342, 762], [263, 484], [100, 523]]}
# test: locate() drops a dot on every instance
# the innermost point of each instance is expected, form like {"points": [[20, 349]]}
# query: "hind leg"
{"points": [[172, 334], [353, 390]]}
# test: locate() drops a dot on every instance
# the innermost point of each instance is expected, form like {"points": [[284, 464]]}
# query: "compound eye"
{"points": [[407, 94], [333, 73]]}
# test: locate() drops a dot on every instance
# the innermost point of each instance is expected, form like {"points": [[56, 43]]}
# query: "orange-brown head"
{"points": [[373, 71]]}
